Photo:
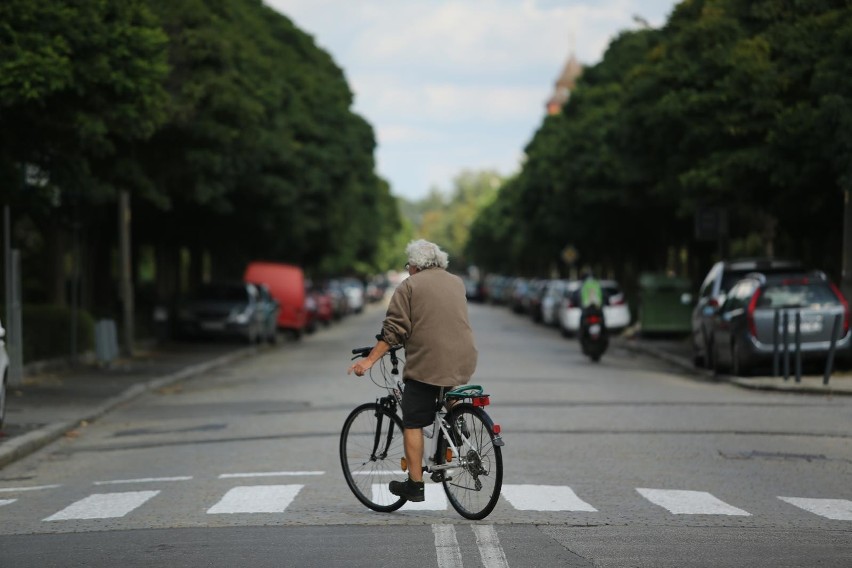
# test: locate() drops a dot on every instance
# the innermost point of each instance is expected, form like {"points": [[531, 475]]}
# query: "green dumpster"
{"points": [[665, 304]]}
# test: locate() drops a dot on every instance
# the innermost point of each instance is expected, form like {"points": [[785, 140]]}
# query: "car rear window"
{"points": [[797, 295]]}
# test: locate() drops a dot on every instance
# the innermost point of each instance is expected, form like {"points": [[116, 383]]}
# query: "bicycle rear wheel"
{"points": [[371, 448], [473, 488]]}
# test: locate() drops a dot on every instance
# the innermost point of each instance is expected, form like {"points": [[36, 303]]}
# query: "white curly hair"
{"points": [[423, 254]]}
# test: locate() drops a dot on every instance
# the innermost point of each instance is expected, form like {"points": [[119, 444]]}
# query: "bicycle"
{"points": [[465, 455]]}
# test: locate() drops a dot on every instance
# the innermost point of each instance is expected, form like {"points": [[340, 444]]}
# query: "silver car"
{"points": [[744, 333]]}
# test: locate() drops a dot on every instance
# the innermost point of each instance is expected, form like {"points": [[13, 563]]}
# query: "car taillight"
{"points": [[843, 301], [752, 328]]}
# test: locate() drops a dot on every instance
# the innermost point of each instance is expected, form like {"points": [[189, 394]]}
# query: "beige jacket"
{"points": [[428, 315]]}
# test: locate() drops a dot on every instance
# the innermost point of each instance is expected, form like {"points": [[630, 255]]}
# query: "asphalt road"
{"points": [[621, 463]]}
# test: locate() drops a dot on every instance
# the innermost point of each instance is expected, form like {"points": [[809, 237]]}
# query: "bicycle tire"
{"points": [[369, 461], [474, 489]]}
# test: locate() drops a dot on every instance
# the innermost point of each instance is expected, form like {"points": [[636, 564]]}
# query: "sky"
{"points": [[454, 85]]}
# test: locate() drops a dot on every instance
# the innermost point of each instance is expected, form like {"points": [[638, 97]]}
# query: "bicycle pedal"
{"points": [[437, 476]]}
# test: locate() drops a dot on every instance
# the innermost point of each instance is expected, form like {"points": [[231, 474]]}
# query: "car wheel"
{"points": [[698, 360], [738, 365], [3, 400]]}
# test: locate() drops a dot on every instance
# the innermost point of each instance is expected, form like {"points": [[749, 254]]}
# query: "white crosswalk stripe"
{"points": [[681, 502], [519, 497], [544, 498], [256, 499], [103, 506], [835, 509]]}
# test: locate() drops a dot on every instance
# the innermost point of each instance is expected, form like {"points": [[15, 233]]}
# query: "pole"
{"points": [[126, 280], [829, 363], [776, 362], [785, 337], [846, 276], [798, 347]]}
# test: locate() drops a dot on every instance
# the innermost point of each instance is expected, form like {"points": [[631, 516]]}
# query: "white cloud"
{"points": [[451, 85]]}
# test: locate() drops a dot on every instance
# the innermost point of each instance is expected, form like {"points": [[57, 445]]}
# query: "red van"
{"points": [[286, 283]]}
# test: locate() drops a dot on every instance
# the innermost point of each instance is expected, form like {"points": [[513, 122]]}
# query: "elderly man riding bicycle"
{"points": [[428, 316]]}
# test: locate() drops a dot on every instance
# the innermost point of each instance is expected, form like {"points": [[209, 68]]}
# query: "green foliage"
{"points": [[447, 219], [733, 103]]}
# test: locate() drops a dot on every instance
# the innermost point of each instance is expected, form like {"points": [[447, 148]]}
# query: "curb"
{"points": [[751, 384], [30, 442]]}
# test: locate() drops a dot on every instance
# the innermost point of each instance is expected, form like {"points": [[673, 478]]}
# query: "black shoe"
{"points": [[411, 490]]}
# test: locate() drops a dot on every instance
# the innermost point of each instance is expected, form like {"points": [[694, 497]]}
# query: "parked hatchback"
{"points": [[223, 309], [744, 332], [714, 289]]}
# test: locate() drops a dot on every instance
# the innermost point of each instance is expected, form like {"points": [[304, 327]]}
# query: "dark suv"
{"points": [[750, 323], [714, 289]]}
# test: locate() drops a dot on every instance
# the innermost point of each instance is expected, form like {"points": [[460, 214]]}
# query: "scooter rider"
{"points": [[591, 293]]}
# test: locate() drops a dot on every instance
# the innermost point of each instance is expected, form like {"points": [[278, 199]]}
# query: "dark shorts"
{"points": [[419, 404]]}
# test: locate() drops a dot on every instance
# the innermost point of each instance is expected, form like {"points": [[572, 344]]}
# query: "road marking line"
{"points": [[681, 502], [544, 498], [436, 500], [835, 509], [378, 473], [35, 488], [143, 480], [270, 474], [489, 547], [447, 546], [6, 501], [256, 499], [103, 506]]}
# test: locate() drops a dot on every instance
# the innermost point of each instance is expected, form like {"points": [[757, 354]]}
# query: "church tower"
{"points": [[564, 85]]}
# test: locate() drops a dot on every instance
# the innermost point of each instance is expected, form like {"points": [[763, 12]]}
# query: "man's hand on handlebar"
{"points": [[362, 366]]}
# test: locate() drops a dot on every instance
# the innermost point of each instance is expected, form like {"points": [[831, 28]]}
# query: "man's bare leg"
{"points": [[413, 441]]}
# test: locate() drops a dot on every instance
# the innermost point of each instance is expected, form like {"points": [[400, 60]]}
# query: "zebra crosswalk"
{"points": [[263, 498]]}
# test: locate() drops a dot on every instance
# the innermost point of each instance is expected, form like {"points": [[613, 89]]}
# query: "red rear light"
{"points": [[843, 301], [496, 429], [713, 302], [481, 401], [752, 329], [594, 319]]}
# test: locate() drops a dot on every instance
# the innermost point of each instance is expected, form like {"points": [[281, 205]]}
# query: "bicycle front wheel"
{"points": [[473, 488], [371, 450]]}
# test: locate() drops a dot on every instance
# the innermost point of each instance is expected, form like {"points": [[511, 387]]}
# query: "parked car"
{"points": [[222, 309], [339, 302], [743, 332], [355, 294], [713, 290], [533, 299], [286, 283], [4, 374], [553, 296], [615, 309]]}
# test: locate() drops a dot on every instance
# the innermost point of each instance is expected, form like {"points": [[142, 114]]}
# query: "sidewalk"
{"points": [[678, 352], [51, 404]]}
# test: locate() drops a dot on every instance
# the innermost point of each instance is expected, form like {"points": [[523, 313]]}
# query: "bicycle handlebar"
{"points": [[364, 351]]}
